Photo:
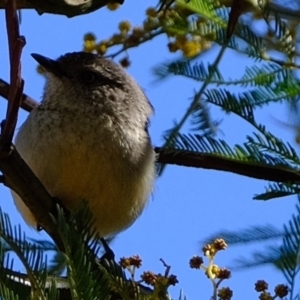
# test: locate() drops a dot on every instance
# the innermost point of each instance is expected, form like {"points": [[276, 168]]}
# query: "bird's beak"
{"points": [[50, 65]]}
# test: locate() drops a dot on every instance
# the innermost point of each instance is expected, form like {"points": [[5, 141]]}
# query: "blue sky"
{"points": [[188, 204]]}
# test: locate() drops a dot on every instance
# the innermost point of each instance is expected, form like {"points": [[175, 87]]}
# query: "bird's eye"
{"points": [[88, 77]]}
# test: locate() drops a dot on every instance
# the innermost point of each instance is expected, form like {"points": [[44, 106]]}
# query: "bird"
{"points": [[88, 140]]}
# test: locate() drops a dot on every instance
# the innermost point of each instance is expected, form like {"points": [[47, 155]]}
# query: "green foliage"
{"points": [[30, 255], [87, 275], [263, 82], [84, 276], [249, 235], [262, 75], [81, 248], [202, 8]]}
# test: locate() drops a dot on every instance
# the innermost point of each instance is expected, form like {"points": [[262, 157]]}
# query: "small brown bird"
{"points": [[88, 140]]}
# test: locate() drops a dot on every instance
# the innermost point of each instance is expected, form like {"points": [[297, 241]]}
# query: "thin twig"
{"points": [[143, 40], [168, 268], [19, 177], [199, 94], [16, 44], [174, 132], [27, 102]]}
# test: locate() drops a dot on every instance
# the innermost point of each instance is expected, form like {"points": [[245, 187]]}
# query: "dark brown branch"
{"points": [[16, 173], [275, 10], [15, 44], [19, 177], [27, 103], [62, 7], [12, 26], [214, 162], [239, 7]]}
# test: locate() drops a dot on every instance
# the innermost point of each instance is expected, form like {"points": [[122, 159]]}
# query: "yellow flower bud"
{"points": [[151, 12], [89, 37], [89, 46], [101, 48], [124, 26], [113, 5], [191, 48]]}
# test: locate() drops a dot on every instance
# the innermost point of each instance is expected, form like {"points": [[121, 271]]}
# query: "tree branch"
{"points": [[15, 45], [214, 162], [27, 103], [62, 7], [271, 8], [17, 175]]}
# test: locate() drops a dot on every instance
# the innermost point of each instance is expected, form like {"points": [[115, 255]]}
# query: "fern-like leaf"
{"points": [[255, 98], [206, 144], [250, 235], [81, 244], [33, 259], [277, 190], [202, 8], [271, 144], [266, 74]]}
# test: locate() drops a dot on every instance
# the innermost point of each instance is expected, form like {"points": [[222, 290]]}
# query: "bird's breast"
{"points": [[83, 158]]}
